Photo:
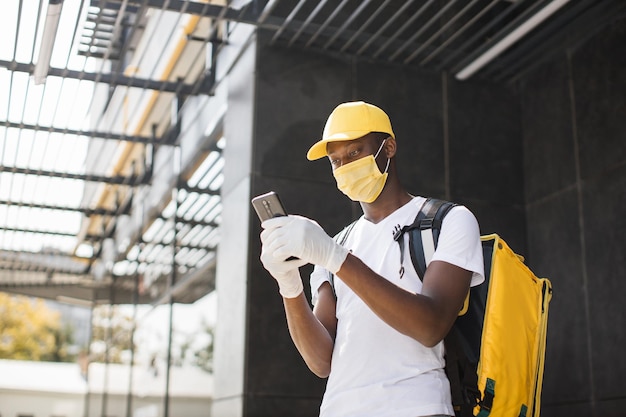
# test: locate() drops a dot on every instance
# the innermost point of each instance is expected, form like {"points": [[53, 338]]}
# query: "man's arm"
{"points": [[426, 317], [313, 332]]}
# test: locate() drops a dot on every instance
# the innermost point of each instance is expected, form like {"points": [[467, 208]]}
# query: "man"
{"points": [[377, 332]]}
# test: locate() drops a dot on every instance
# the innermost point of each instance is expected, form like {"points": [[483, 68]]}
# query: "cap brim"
{"points": [[318, 150]]}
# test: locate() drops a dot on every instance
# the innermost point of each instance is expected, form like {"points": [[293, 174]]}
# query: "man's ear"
{"points": [[390, 147]]}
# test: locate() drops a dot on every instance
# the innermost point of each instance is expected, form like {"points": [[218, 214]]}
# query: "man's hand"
{"points": [[303, 238], [284, 272]]}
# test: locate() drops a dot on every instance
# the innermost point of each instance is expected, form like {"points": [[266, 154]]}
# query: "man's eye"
{"points": [[354, 153]]}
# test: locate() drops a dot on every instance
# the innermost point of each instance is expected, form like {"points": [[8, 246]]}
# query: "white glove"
{"points": [[305, 239], [284, 272]]}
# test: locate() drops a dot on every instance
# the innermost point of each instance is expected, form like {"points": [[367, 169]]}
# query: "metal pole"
{"points": [[177, 168]]}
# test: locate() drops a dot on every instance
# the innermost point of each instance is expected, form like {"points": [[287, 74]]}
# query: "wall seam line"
{"points": [[581, 225], [446, 136]]}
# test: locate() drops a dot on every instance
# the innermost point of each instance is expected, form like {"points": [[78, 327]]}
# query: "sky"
{"points": [[61, 103]]}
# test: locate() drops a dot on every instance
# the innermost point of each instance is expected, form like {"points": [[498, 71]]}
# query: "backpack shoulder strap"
{"points": [[424, 232], [340, 238]]}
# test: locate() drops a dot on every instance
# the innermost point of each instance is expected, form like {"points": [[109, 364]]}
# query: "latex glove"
{"points": [[305, 239], [284, 272]]}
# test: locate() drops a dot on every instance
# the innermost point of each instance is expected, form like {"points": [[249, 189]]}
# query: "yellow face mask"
{"points": [[361, 180]]}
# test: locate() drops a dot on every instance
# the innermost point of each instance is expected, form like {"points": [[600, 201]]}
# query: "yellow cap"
{"points": [[350, 121]]}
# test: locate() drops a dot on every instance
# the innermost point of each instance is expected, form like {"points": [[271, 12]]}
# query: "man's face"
{"points": [[344, 152]]}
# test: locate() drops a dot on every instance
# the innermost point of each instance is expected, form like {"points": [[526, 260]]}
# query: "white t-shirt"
{"points": [[377, 371]]}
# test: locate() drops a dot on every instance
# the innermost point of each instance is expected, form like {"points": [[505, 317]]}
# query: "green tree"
{"points": [[111, 330], [204, 355], [30, 330]]}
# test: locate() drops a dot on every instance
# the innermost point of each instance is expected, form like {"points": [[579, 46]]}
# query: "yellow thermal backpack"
{"points": [[496, 348], [495, 351]]}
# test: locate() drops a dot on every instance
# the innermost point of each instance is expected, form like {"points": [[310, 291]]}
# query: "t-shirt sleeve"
{"points": [[318, 277], [459, 243]]}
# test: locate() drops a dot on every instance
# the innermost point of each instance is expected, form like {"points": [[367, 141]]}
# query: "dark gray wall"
{"points": [[574, 124], [542, 164]]}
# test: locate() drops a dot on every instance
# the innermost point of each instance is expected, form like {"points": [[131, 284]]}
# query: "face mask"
{"points": [[361, 180]]}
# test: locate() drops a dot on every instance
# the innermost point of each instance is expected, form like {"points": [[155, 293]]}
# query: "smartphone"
{"points": [[268, 205]]}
